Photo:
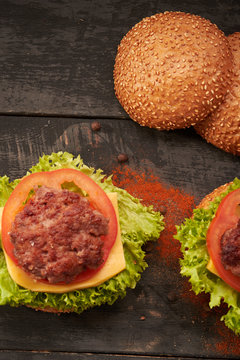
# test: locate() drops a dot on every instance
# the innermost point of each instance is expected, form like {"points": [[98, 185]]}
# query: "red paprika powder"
{"points": [[176, 206], [227, 343], [172, 202]]}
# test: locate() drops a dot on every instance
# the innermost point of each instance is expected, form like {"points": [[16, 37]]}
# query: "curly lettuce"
{"points": [[192, 236], [138, 225]]}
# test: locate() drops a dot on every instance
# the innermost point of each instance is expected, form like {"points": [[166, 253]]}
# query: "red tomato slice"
{"points": [[96, 196], [226, 218]]}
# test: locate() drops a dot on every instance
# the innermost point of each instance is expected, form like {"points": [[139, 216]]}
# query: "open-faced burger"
{"points": [[71, 240], [210, 243]]}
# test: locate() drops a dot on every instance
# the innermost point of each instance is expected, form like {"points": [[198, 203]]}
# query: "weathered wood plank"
{"points": [[26, 355], [181, 158], [57, 57], [157, 318]]}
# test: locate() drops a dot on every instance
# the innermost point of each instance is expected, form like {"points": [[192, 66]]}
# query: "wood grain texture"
{"points": [[24, 355], [180, 158], [57, 57], [56, 63], [155, 319]]}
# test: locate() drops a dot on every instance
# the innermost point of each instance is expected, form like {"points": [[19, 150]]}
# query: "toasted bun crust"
{"points": [[172, 69], [205, 202], [222, 127]]}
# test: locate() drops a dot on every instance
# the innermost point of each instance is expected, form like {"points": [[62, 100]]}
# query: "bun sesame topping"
{"points": [[206, 201], [171, 70], [222, 127]]}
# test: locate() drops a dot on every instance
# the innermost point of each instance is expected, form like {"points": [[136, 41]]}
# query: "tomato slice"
{"points": [[54, 179], [226, 218]]}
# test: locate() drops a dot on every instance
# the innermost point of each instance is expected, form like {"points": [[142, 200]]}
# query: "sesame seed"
{"points": [[147, 79]]}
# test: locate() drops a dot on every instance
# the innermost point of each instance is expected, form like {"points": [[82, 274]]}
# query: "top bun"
{"points": [[222, 127], [172, 69]]}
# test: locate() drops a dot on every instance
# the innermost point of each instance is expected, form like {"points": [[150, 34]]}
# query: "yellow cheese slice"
{"points": [[114, 264], [211, 267]]}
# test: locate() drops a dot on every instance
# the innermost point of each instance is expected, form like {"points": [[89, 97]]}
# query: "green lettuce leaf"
{"points": [[138, 225], [192, 236]]}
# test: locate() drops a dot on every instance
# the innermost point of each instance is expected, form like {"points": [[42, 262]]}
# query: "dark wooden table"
{"points": [[56, 64]]}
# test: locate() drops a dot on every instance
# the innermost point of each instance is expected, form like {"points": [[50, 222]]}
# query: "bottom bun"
{"points": [[205, 202], [51, 310]]}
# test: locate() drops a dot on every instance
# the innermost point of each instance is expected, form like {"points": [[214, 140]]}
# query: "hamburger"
{"points": [[172, 69], [71, 240], [211, 251]]}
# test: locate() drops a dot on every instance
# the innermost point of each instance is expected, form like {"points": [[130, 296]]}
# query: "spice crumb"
{"points": [[153, 192], [95, 126], [172, 296], [122, 158], [149, 247], [163, 209]]}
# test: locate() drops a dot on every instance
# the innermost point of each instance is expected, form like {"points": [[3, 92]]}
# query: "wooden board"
{"points": [[57, 57], [173, 325], [23, 355], [56, 78]]}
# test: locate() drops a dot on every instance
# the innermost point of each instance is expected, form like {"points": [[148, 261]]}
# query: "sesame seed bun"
{"points": [[205, 202], [51, 310], [222, 127], [171, 70]]}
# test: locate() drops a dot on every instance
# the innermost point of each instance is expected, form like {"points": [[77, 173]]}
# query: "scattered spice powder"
{"points": [[174, 204], [201, 301], [227, 343]]}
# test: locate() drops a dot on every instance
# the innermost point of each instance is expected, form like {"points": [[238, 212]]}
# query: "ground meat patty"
{"points": [[230, 249], [57, 235]]}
